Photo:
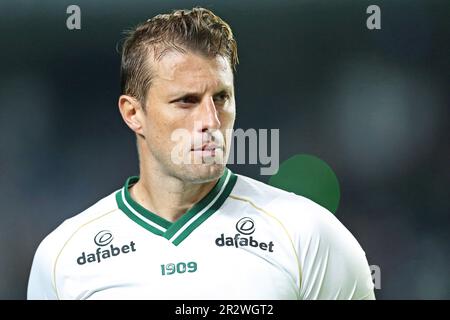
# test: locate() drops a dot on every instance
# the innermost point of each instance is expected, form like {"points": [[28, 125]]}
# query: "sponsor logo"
{"points": [[105, 249], [103, 238], [245, 227]]}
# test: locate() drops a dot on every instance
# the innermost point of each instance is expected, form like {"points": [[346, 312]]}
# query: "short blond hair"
{"points": [[198, 30]]}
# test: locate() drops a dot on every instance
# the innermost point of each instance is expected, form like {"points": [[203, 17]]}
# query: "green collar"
{"points": [[176, 231]]}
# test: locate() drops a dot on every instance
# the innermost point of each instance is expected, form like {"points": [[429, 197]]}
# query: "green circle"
{"points": [[311, 177]]}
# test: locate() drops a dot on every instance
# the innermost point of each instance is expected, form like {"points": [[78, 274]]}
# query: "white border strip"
{"points": [[157, 226], [204, 209]]}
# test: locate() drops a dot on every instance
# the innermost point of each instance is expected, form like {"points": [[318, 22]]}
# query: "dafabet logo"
{"points": [[245, 227], [102, 240]]}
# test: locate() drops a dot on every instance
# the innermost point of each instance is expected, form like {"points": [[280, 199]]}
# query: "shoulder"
{"points": [[41, 283], [297, 213], [53, 242], [322, 243], [303, 218]]}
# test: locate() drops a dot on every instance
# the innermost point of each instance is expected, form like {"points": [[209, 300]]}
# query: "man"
{"points": [[187, 227]]}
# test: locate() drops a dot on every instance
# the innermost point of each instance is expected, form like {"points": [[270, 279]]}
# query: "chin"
{"points": [[202, 173]]}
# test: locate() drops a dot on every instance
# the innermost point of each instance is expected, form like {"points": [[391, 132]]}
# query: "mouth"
{"points": [[209, 150], [207, 147]]}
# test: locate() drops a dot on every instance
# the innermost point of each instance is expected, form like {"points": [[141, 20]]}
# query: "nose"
{"points": [[209, 116]]}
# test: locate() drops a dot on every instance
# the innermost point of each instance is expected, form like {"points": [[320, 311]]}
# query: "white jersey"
{"points": [[244, 240]]}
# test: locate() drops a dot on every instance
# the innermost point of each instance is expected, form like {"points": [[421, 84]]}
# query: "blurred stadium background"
{"points": [[373, 104]]}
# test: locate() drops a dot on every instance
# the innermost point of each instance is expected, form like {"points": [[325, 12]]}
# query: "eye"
{"points": [[187, 101], [221, 97]]}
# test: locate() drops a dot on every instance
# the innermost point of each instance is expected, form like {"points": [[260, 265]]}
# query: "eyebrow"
{"points": [[182, 95]]}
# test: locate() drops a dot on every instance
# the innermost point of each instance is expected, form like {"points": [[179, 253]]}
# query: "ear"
{"points": [[132, 113]]}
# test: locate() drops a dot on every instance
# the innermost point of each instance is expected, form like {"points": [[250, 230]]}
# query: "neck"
{"points": [[165, 195]]}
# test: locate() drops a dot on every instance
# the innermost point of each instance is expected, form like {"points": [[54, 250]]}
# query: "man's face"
{"points": [[190, 112]]}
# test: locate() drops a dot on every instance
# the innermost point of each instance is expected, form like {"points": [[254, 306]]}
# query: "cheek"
{"points": [[227, 118], [227, 124], [159, 120], [158, 130]]}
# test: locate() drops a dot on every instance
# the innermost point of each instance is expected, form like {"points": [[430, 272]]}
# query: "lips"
{"points": [[207, 147]]}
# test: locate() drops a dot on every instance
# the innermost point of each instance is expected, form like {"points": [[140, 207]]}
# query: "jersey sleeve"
{"points": [[40, 283], [333, 264]]}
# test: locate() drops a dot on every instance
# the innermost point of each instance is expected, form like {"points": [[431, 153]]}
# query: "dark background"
{"points": [[373, 104]]}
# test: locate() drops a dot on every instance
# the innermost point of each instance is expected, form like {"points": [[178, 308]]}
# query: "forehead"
{"points": [[191, 71]]}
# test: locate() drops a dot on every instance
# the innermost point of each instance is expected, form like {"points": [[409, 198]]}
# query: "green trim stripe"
{"points": [[176, 231], [143, 223], [200, 218], [140, 210], [199, 207]]}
